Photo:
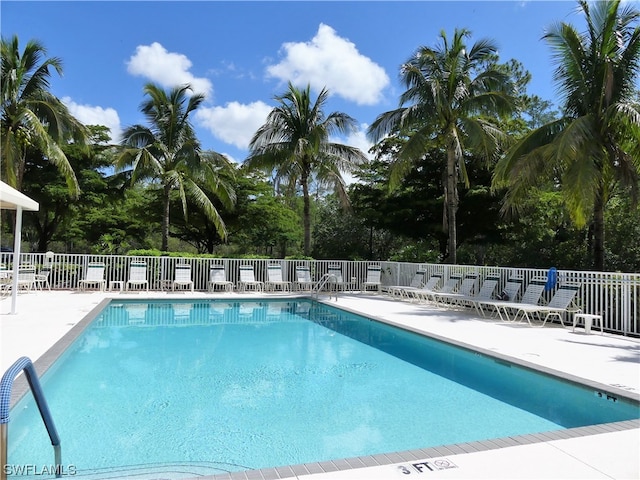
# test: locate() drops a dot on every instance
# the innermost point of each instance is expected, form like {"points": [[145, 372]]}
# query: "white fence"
{"points": [[615, 296]]}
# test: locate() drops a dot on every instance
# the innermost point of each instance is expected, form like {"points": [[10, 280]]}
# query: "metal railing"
{"points": [[614, 295], [328, 279], [23, 364]]}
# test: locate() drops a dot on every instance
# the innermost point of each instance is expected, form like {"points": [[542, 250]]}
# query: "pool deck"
{"points": [[608, 361]]}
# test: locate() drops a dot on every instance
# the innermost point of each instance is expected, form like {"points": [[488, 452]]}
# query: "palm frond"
{"points": [[508, 167]]}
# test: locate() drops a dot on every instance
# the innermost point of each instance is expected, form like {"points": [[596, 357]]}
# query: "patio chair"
{"points": [[275, 280], [558, 306], [94, 275], [449, 286], [416, 282], [137, 276], [182, 277], [430, 285], [511, 292], [42, 279], [303, 279], [5, 280], [248, 280], [26, 277], [530, 297], [468, 285], [335, 279], [374, 272], [485, 293], [218, 278]]}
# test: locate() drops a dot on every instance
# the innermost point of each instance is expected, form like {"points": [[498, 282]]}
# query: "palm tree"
{"points": [[295, 143], [594, 146], [452, 92], [31, 116], [168, 152]]}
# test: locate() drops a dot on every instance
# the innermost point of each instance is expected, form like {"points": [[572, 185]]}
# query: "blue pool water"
{"points": [[236, 385]]}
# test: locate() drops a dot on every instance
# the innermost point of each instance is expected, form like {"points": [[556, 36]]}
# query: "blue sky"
{"points": [[241, 54]]}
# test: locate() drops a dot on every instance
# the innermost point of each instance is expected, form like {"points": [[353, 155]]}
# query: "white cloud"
{"points": [[359, 140], [166, 68], [92, 115], [333, 62], [235, 123]]}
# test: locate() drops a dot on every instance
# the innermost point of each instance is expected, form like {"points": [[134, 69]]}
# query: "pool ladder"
{"points": [[323, 282], [6, 384]]}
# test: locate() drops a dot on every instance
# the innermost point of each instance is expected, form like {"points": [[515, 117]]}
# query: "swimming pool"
{"points": [[259, 374]]}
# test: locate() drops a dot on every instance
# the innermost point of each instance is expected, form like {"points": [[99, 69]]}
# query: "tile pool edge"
{"points": [[421, 454], [44, 362]]}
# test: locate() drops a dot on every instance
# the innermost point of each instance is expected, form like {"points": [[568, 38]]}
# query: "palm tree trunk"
{"points": [[598, 232], [306, 214], [165, 218], [452, 205]]}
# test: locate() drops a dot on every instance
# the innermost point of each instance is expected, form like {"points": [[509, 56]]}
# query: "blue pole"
{"points": [[6, 385]]}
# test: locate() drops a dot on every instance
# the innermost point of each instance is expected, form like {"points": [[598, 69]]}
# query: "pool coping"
{"points": [[42, 365], [420, 455]]}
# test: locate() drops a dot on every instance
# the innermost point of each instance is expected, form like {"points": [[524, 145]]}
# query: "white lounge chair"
{"points": [[530, 297], [218, 278], [465, 289], [334, 279], [42, 279], [275, 280], [25, 281], [93, 275], [430, 285], [486, 291], [374, 273], [416, 282], [5, 280], [450, 286], [558, 306], [248, 280], [511, 292], [26, 277], [182, 277], [303, 279], [137, 276]]}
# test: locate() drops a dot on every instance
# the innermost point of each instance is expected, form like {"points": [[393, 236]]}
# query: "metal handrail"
{"points": [[324, 280], [6, 385]]}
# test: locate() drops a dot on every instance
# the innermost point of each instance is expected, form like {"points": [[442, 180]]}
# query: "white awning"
{"points": [[11, 199]]}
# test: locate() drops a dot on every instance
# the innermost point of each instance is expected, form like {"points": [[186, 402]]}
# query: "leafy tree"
{"points": [[594, 146], [351, 235], [269, 225], [295, 143], [623, 226], [168, 151], [452, 91], [338, 235], [46, 184], [540, 237], [32, 119], [414, 208]]}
